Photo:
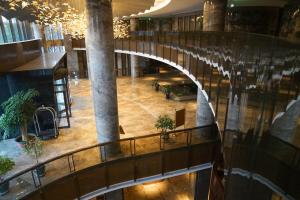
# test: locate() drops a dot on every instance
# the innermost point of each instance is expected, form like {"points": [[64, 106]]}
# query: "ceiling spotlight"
{"points": [[231, 5]]}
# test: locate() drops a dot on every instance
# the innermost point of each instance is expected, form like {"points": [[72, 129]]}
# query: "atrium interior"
{"points": [[149, 100]]}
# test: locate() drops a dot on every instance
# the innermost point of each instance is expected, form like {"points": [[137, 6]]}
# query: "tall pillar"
{"points": [[100, 54], [202, 184], [119, 64], [43, 37], [204, 113], [133, 24], [72, 59], [214, 15], [175, 24], [156, 25], [285, 124], [135, 68]]}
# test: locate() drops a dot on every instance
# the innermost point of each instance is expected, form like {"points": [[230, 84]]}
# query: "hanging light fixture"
{"points": [[63, 15], [121, 28]]}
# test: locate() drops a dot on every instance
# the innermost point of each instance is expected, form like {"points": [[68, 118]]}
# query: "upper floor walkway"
{"points": [[241, 73]]}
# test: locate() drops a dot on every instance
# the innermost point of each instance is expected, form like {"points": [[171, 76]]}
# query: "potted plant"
{"points": [[34, 147], [6, 164], [165, 123], [156, 85], [168, 90], [18, 112]]}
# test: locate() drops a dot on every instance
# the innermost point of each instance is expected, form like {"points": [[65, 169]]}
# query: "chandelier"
{"points": [[72, 21], [121, 28]]}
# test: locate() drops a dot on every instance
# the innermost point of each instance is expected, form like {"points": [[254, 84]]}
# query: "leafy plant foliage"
{"points": [[18, 111], [6, 164], [165, 123]]}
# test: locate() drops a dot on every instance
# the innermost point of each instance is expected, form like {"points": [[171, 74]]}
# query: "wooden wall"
{"points": [[13, 55]]}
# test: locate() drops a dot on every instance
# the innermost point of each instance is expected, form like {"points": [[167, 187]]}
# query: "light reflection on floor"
{"points": [[176, 188]]}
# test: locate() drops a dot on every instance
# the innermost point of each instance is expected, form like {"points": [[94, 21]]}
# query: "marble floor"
{"points": [[139, 107], [176, 188]]}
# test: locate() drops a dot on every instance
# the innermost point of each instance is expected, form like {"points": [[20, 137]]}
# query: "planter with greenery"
{"points": [[6, 164], [165, 123], [18, 112], [155, 84], [167, 91], [34, 148]]}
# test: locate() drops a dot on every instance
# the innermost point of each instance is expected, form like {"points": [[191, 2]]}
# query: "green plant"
{"points": [[34, 147], [6, 164], [168, 89], [18, 111], [165, 123]]}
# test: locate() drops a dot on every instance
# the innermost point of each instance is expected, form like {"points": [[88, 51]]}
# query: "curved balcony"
{"points": [[90, 172], [233, 68], [228, 66]]}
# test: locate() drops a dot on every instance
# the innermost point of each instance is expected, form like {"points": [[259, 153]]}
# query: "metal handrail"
{"points": [[97, 145]]}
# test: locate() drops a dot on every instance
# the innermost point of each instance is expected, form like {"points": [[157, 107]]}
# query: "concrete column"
{"points": [[72, 59], [115, 195], [202, 184], [156, 25], [100, 54], [43, 37], [214, 15], [285, 124], [204, 114], [166, 25], [133, 24], [119, 64], [175, 24], [135, 68]]}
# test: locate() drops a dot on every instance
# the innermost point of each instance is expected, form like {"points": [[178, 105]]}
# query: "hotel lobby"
{"points": [[149, 100]]}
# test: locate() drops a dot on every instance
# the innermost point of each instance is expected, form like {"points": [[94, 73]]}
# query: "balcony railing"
{"points": [[271, 161], [78, 173], [257, 75], [261, 69]]}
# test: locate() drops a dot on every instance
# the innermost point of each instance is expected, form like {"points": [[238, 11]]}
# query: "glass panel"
{"points": [[7, 30], [36, 31], [15, 29], [21, 31], [1, 37]]}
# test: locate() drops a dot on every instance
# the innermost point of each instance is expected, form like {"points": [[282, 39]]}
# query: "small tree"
{"points": [[34, 147], [165, 123], [18, 111], [6, 164]]}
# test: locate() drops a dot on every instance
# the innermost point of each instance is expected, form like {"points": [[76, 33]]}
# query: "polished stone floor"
{"points": [[139, 107], [176, 188]]}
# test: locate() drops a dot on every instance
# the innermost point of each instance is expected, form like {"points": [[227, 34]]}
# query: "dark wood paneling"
{"points": [[13, 55]]}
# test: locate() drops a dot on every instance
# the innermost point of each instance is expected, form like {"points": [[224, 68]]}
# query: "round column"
{"points": [[204, 114], [214, 15], [72, 59], [100, 55], [134, 60]]}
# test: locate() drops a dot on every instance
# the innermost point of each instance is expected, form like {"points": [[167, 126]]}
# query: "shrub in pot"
{"points": [[6, 164], [18, 112], [165, 123], [168, 90], [34, 148], [156, 85]]}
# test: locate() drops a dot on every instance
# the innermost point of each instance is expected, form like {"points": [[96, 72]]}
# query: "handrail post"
{"points": [[71, 163], [129, 45]]}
